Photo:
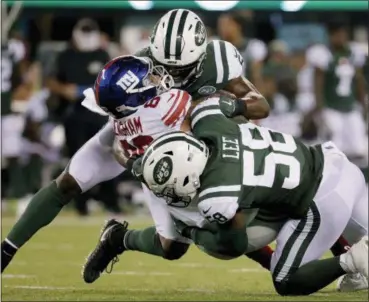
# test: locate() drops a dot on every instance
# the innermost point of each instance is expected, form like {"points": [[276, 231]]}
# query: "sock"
{"points": [[8, 250], [312, 277], [262, 256], [340, 246], [42, 209], [146, 241]]}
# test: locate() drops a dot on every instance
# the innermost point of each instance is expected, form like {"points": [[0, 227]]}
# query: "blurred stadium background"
{"points": [[42, 127]]}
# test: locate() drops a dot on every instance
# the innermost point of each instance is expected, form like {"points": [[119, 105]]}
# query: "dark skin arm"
{"points": [[226, 239], [257, 105]]}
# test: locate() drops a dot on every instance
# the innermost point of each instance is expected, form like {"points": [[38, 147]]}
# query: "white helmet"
{"points": [[172, 166], [178, 42]]}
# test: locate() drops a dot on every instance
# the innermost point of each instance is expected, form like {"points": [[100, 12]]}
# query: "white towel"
{"points": [[90, 102]]}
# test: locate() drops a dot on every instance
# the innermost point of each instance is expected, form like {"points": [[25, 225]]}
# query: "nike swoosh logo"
{"points": [[104, 235], [228, 103], [205, 212]]}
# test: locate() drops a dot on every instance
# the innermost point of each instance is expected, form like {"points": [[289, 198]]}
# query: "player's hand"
{"points": [[182, 228]]}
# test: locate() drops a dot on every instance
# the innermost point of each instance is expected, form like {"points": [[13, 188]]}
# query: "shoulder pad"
{"points": [[227, 59], [318, 56], [359, 53]]}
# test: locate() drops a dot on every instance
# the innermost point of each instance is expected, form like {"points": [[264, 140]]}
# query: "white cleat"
{"points": [[359, 255], [352, 282]]}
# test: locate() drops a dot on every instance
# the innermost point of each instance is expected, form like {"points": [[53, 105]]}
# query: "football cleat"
{"points": [[110, 245], [358, 254], [352, 282]]}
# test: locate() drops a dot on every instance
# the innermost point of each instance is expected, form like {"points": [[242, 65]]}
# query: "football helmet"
{"points": [[178, 43], [172, 166], [128, 82]]}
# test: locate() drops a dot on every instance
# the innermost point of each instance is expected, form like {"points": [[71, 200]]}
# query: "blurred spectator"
{"points": [[12, 53], [339, 83], [75, 70], [281, 95], [231, 28], [278, 54], [110, 47]]}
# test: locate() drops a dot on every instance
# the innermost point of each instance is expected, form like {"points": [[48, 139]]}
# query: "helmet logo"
{"points": [[128, 81], [200, 33], [163, 170], [207, 90]]}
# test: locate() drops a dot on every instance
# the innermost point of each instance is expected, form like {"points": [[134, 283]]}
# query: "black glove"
{"points": [[182, 228]]}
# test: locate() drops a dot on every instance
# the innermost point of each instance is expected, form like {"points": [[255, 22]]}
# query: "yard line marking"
{"points": [[198, 265], [138, 273], [9, 276], [41, 287], [248, 270]]}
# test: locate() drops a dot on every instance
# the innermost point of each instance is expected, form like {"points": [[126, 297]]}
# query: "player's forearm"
{"points": [[229, 242], [257, 105]]}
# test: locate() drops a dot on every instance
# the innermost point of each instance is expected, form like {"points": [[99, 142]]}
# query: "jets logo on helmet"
{"points": [[172, 166], [200, 33], [179, 44]]}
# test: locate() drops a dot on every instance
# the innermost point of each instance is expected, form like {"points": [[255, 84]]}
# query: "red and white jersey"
{"points": [[162, 114]]}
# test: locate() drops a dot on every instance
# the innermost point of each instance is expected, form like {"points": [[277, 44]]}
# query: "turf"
{"points": [[48, 268]]}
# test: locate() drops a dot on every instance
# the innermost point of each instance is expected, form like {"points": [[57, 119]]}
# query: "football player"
{"points": [[236, 167], [135, 129], [198, 67], [339, 89], [179, 43]]}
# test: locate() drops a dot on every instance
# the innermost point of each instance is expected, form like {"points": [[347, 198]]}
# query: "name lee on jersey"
{"points": [[128, 127], [230, 148]]}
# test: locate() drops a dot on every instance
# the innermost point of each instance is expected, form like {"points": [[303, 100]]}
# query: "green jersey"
{"points": [[252, 167], [222, 63], [11, 54], [339, 74]]}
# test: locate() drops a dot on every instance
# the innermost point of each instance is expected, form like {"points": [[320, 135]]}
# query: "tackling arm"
{"points": [[257, 105], [228, 239]]}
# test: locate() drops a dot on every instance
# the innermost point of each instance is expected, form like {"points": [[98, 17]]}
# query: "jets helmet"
{"points": [[178, 43], [172, 166]]}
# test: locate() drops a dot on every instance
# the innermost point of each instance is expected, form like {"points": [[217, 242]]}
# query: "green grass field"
{"points": [[49, 268]]}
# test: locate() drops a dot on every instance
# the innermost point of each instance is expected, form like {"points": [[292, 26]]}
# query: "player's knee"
{"points": [[175, 250], [288, 288], [282, 288], [68, 186]]}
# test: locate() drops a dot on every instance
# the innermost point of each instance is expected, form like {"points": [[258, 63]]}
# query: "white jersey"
{"points": [[162, 114]]}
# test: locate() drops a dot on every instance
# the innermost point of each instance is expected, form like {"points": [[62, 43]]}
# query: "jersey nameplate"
{"points": [[230, 148]]}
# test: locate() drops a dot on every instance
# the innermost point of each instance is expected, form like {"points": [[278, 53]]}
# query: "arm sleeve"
{"points": [[219, 204], [235, 61]]}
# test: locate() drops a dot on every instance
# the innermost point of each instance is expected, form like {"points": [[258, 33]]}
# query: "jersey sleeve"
{"points": [[207, 111], [17, 49], [318, 56], [219, 204], [174, 106], [228, 61], [358, 54]]}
